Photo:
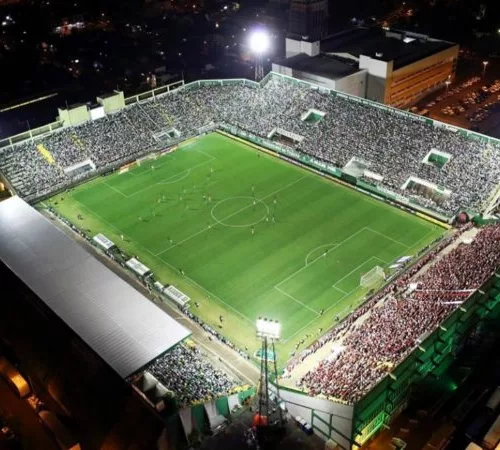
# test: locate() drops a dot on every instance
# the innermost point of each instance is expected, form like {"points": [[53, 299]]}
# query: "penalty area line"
{"points": [[308, 324], [356, 268], [297, 301], [305, 266]]}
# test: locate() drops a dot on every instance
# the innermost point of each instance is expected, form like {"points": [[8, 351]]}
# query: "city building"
{"points": [[308, 19], [393, 67]]}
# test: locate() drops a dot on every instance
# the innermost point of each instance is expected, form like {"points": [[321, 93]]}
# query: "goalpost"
{"points": [[372, 277]]}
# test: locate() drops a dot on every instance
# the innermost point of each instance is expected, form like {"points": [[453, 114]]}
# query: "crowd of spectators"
{"points": [[191, 360], [394, 320], [212, 332], [389, 144], [191, 376]]}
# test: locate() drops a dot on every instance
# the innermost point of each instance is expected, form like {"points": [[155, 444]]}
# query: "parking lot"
{"points": [[472, 103]]}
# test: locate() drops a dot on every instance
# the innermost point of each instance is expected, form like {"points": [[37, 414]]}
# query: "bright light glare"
{"points": [[268, 328], [259, 42]]}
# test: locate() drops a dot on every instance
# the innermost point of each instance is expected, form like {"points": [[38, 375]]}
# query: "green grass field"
{"points": [[250, 233]]}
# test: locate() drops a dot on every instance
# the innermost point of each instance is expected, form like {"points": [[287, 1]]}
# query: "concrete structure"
{"points": [[396, 68], [329, 72], [81, 113], [352, 426], [117, 322], [308, 19]]}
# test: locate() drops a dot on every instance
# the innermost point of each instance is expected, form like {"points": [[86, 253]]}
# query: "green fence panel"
{"points": [[244, 394], [199, 417], [222, 406]]}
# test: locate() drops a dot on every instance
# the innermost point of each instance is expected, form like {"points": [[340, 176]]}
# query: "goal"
{"points": [[372, 277]]}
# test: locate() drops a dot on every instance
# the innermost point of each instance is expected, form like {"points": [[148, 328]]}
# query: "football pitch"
{"points": [[245, 234]]}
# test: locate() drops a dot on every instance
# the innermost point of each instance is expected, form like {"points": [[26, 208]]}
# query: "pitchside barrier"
{"points": [[330, 170], [49, 129], [306, 161]]}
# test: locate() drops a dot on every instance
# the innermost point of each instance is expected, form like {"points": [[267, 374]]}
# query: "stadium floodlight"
{"points": [[268, 328], [259, 42]]}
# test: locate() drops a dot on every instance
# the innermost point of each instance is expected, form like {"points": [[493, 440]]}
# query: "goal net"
{"points": [[372, 277]]}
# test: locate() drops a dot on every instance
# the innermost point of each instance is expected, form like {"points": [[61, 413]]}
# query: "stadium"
{"points": [[368, 232]]}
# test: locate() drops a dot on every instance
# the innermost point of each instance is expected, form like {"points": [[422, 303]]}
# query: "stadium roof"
{"points": [[121, 325], [391, 44], [325, 66]]}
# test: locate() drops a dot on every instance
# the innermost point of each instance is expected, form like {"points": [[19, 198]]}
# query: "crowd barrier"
{"points": [[324, 168]]}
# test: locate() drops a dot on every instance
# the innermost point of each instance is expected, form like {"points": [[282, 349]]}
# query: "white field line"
{"points": [[317, 248], [230, 215], [297, 301], [116, 190], [333, 286], [186, 174], [164, 181], [276, 286], [356, 268], [205, 153], [318, 258], [348, 293], [338, 289], [422, 238], [326, 311], [387, 237], [165, 262], [165, 161]]}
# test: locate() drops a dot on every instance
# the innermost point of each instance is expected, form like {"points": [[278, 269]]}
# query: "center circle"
{"points": [[238, 201]]}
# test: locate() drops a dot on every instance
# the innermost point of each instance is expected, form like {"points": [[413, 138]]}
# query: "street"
{"points": [[24, 421]]}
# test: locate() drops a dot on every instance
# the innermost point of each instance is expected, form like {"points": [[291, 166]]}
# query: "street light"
{"points": [[485, 63], [447, 82], [259, 44]]}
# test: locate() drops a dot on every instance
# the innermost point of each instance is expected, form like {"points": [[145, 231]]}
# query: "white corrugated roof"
{"points": [[121, 325]]}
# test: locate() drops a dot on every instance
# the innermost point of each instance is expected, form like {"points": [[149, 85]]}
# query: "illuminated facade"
{"points": [[395, 68], [393, 83], [352, 426]]}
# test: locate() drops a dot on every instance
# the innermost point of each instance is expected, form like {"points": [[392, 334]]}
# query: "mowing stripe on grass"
{"points": [[239, 272], [231, 215]]}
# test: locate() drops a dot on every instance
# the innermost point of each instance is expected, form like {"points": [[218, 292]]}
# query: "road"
{"points": [[24, 421]]}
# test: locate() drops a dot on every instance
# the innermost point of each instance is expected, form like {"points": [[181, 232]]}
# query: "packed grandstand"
{"points": [[376, 337], [187, 372], [379, 334], [392, 146]]}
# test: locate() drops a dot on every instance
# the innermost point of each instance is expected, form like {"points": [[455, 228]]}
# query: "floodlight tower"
{"points": [[268, 331], [259, 45]]}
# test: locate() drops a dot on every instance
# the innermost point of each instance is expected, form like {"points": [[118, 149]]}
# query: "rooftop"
{"points": [[107, 95], [321, 65], [398, 46], [121, 325]]}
